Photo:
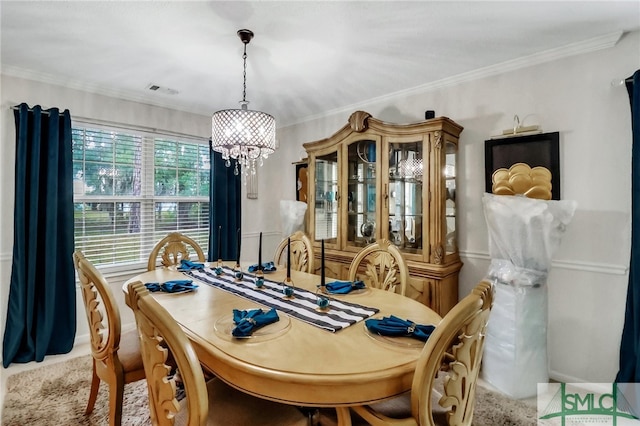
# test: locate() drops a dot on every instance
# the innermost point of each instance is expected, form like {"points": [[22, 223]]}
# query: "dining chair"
{"points": [[444, 383], [381, 265], [301, 252], [172, 249], [205, 403], [116, 356]]}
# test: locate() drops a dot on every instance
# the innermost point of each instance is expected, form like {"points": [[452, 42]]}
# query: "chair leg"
{"points": [[93, 395], [116, 394], [344, 416]]}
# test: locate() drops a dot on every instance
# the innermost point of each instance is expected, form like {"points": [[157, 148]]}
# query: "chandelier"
{"points": [[411, 168], [242, 134]]}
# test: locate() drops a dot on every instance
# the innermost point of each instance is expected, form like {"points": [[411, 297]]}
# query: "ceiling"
{"points": [[307, 57]]}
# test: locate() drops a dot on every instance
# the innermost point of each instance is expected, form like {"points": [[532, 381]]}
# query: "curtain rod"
{"points": [[94, 121], [621, 81], [17, 107]]}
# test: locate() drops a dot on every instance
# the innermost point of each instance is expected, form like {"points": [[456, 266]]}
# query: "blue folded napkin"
{"points": [[344, 287], [187, 265], [397, 327], [266, 267], [247, 321], [173, 286]]}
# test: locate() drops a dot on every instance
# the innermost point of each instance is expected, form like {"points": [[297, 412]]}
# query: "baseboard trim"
{"points": [[83, 339], [556, 376]]}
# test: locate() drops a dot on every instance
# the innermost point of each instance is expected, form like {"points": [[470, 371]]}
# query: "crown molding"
{"points": [[591, 45], [96, 89]]}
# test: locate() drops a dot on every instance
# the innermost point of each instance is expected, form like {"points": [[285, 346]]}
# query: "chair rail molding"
{"points": [[575, 265]]}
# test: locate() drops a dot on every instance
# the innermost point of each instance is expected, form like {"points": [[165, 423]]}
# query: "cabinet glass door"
{"points": [[450, 204], [326, 198], [361, 193], [407, 171]]}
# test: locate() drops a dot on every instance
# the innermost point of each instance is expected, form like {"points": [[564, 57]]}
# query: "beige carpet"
{"points": [[57, 395]]}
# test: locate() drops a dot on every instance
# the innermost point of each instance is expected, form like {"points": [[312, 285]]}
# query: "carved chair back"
{"points": [[212, 403], [381, 265], [301, 252], [453, 355], [116, 356], [160, 333], [172, 249], [448, 365]]}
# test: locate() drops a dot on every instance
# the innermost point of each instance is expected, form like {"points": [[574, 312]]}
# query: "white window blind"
{"points": [[131, 189]]}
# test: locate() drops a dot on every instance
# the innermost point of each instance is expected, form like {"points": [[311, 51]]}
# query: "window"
{"points": [[131, 189]]}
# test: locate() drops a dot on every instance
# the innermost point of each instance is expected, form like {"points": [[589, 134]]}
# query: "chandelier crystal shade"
{"points": [[243, 135], [411, 168]]}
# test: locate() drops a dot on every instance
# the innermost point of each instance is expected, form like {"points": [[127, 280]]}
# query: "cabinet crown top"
{"points": [[358, 121]]}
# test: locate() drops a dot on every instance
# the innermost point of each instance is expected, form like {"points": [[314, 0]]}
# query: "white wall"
{"points": [[573, 95]]}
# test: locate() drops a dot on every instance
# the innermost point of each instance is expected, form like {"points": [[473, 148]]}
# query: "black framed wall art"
{"points": [[535, 150]]}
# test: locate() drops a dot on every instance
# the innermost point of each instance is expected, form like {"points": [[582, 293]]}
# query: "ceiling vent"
{"points": [[160, 89]]}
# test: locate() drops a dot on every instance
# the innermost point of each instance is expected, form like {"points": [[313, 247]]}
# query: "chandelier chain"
{"points": [[244, 75]]}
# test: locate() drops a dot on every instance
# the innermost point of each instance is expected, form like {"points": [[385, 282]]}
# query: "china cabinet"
{"points": [[372, 179]]}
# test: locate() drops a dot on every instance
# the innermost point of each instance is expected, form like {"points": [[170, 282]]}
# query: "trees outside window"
{"points": [[131, 189]]}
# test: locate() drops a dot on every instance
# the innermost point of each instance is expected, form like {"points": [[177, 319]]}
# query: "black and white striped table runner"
{"points": [[303, 306]]}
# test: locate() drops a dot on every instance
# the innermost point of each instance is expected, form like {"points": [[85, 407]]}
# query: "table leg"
{"points": [[344, 416]]}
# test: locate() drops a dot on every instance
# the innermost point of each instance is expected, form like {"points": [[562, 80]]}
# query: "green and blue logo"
{"points": [[593, 404]]}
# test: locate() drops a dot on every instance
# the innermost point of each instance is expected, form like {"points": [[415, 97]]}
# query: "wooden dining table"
{"points": [[294, 361]]}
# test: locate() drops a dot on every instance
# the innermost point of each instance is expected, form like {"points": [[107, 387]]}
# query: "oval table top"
{"points": [[297, 362]]}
